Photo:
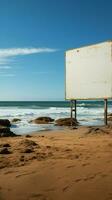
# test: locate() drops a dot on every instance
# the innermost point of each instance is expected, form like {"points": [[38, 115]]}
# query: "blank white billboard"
{"points": [[89, 72]]}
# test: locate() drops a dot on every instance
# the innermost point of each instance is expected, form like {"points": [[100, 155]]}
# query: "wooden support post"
{"points": [[105, 111], [73, 109], [75, 106], [71, 106]]}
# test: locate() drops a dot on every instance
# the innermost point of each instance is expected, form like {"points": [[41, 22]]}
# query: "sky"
{"points": [[34, 35]]}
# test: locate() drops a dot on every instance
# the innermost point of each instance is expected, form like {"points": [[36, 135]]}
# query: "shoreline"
{"points": [[89, 112], [64, 164], [62, 128]]}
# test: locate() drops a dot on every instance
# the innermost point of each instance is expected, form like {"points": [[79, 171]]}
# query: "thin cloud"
{"points": [[42, 72], [5, 67], [8, 55], [5, 53]]}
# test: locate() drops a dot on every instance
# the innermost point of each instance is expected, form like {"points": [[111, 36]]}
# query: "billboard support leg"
{"points": [[105, 111], [73, 109], [75, 105], [71, 106]]}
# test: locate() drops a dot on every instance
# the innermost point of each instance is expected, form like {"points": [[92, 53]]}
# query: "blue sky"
{"points": [[34, 34]]}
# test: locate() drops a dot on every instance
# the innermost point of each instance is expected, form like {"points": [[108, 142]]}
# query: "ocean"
{"points": [[88, 113]]}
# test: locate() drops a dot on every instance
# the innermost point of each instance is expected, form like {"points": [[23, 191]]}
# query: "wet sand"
{"points": [[58, 165]]}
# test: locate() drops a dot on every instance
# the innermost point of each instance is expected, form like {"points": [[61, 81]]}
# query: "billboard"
{"points": [[89, 72]]}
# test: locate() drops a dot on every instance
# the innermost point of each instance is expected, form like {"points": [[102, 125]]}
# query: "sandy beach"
{"points": [[65, 165]]}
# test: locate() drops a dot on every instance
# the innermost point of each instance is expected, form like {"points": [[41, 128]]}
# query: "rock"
{"points": [[41, 136], [4, 150], [5, 132], [48, 146], [5, 128], [66, 122], [109, 118], [41, 156], [110, 114], [27, 150], [6, 145], [5, 122], [96, 130], [22, 158], [16, 120], [28, 146], [42, 120], [28, 136], [76, 156], [28, 143]]}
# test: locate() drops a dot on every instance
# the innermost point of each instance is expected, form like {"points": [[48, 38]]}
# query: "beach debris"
{"points": [[42, 136], [41, 156], [96, 130], [22, 158], [27, 150], [73, 128], [28, 136], [48, 147], [76, 156], [109, 118], [5, 123], [4, 150], [66, 122], [28, 143], [5, 132], [6, 145], [15, 120], [42, 120], [28, 146], [110, 114]]}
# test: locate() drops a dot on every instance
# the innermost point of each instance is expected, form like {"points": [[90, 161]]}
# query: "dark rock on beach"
{"points": [[5, 128], [28, 146], [66, 122], [42, 120], [16, 120], [6, 145], [28, 136], [27, 150], [96, 130], [110, 114], [5, 132], [4, 150], [28, 143], [5, 122], [109, 117]]}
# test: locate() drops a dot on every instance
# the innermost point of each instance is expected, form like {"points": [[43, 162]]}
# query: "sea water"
{"points": [[88, 113]]}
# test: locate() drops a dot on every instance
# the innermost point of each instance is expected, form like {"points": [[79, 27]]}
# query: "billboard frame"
{"points": [[73, 101]]}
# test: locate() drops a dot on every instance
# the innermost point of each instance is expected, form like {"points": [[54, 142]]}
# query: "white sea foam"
{"points": [[86, 115]]}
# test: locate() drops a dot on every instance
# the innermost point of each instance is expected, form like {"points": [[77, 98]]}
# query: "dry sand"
{"points": [[58, 165]]}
